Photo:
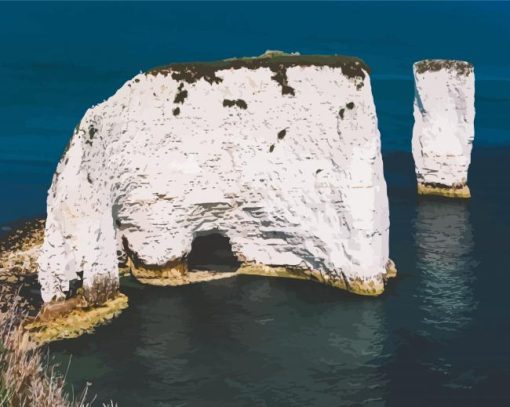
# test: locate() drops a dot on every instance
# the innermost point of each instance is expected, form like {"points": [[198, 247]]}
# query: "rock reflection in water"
{"points": [[258, 341], [444, 244]]}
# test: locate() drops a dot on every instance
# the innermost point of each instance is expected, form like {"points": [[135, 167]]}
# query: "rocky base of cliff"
{"points": [[456, 191], [75, 316], [177, 274], [72, 317]]}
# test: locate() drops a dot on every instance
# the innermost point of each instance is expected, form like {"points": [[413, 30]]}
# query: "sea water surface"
{"points": [[439, 335]]}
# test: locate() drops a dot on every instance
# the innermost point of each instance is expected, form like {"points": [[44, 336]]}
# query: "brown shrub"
{"points": [[103, 288]]}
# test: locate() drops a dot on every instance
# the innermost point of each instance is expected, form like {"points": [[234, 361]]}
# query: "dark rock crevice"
{"points": [[181, 95], [240, 103]]}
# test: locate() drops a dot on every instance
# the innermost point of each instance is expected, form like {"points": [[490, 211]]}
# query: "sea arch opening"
{"points": [[212, 251]]}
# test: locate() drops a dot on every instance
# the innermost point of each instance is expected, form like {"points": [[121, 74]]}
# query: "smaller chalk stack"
{"points": [[443, 130]]}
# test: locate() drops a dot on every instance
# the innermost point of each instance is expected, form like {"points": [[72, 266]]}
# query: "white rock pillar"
{"points": [[280, 153], [443, 130], [79, 235]]}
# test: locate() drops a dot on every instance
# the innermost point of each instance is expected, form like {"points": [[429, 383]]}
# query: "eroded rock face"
{"points": [[443, 131], [279, 153]]}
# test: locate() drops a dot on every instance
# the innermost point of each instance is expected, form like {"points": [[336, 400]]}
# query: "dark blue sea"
{"points": [[439, 336]]}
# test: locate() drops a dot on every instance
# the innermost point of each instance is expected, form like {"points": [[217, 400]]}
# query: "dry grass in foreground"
{"points": [[27, 378]]}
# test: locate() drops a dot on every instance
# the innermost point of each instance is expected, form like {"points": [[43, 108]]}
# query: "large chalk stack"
{"points": [[280, 153], [443, 131]]}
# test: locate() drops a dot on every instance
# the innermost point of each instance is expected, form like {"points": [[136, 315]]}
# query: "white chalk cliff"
{"points": [[443, 132], [279, 153]]}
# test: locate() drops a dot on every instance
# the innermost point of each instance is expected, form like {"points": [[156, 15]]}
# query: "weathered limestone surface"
{"points": [[443, 132], [280, 153]]}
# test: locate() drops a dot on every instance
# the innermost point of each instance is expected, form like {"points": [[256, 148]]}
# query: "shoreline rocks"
{"points": [[460, 191], [19, 250], [72, 318], [177, 276]]}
